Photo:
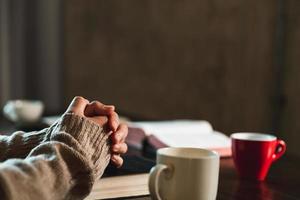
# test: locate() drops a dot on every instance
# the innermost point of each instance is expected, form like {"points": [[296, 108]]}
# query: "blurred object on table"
{"points": [[25, 114], [23, 111]]}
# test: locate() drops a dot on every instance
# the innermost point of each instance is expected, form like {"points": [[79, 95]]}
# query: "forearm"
{"points": [[19, 144], [65, 167], [47, 173]]}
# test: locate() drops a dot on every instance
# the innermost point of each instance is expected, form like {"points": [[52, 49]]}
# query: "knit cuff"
{"points": [[93, 139], [85, 131]]}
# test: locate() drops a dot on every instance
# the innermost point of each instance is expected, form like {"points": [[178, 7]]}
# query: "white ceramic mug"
{"points": [[185, 173], [23, 111]]}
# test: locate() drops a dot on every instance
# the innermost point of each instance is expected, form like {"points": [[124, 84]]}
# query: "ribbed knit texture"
{"points": [[91, 137], [19, 144], [61, 162]]}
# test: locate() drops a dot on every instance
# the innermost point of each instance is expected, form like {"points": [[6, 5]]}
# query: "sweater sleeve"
{"points": [[64, 166], [19, 144]]}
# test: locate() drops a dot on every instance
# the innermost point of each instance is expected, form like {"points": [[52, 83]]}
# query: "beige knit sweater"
{"points": [[61, 162]]}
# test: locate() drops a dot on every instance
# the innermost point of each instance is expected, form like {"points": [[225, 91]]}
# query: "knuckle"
{"points": [[124, 127], [97, 103], [115, 115], [125, 135], [80, 99]]}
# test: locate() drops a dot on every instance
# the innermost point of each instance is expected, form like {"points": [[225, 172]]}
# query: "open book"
{"points": [[178, 133]]}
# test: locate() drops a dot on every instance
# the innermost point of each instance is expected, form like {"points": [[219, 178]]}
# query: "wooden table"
{"points": [[283, 182]]}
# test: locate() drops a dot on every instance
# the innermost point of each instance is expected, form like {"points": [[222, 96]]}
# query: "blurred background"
{"points": [[233, 63]]}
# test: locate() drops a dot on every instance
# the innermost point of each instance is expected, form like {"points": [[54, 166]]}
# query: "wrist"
{"points": [[93, 139]]}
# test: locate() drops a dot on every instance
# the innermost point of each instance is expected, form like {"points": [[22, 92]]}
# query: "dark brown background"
{"points": [[210, 59]]}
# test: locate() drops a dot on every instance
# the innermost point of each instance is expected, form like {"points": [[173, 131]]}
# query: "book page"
{"points": [[205, 140], [120, 186], [174, 127]]}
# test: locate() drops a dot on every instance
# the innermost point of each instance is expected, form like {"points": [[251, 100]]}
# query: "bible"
{"points": [[149, 136]]}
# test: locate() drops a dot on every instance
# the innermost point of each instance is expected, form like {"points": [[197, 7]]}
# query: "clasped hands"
{"points": [[103, 115]]}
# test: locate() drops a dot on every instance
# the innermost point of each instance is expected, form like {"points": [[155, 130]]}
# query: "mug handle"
{"points": [[153, 180], [280, 149]]}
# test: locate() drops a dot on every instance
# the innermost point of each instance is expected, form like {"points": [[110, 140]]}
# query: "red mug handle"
{"points": [[279, 150]]}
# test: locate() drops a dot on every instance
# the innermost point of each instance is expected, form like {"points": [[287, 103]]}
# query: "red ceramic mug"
{"points": [[253, 153]]}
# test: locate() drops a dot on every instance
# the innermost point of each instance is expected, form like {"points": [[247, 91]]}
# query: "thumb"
{"points": [[78, 105]]}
